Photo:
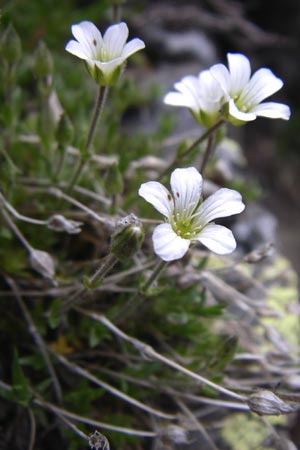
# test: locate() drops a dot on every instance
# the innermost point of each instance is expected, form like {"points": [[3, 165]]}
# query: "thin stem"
{"points": [[97, 278], [155, 274], [100, 102], [198, 141], [37, 339], [197, 424], [37, 400], [112, 390], [116, 13], [59, 194], [138, 298], [16, 231], [207, 153], [152, 354], [19, 216], [32, 429]]}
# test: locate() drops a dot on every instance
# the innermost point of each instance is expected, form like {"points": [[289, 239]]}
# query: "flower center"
{"points": [[185, 227]]}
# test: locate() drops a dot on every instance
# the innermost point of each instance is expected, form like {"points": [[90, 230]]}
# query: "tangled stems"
{"points": [[207, 135], [84, 158], [91, 283], [149, 351], [139, 296]]}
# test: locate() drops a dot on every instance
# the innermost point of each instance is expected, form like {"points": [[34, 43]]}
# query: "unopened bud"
{"points": [[127, 237], [266, 403], [113, 182], [64, 131], [259, 254], [43, 263], [43, 62], [60, 223], [175, 434], [98, 441], [11, 48]]}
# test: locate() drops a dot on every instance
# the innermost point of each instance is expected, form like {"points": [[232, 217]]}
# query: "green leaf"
{"points": [[55, 313], [21, 390], [224, 354]]}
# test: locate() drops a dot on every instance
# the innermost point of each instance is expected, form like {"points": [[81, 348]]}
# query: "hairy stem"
{"points": [[202, 138], [100, 102]]}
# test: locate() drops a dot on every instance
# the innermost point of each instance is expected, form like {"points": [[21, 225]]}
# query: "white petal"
{"points": [[109, 66], [218, 239], [159, 197], [262, 84], [189, 87], [272, 110], [114, 39], [240, 71], [237, 114], [221, 74], [178, 99], [77, 49], [132, 46], [167, 244], [186, 185], [223, 203], [88, 35], [210, 92]]}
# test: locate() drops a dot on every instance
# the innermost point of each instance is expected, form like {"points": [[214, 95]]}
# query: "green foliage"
{"points": [[20, 388], [47, 101]]}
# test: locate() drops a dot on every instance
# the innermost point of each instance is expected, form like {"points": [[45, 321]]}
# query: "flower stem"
{"points": [[152, 354], [116, 12], [84, 159], [195, 144], [91, 283], [139, 296], [155, 274], [207, 153]]}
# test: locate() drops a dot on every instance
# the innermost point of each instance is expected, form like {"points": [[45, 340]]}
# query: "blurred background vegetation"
{"points": [[181, 322]]}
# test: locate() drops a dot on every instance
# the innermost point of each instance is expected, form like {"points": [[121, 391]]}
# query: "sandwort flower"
{"points": [[188, 219], [105, 55], [202, 94], [244, 94]]}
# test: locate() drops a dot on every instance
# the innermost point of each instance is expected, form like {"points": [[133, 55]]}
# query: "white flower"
{"points": [[244, 93], [188, 219], [202, 94], [105, 55]]}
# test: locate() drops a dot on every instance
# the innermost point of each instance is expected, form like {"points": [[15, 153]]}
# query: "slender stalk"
{"points": [[19, 216], [16, 231], [116, 12], [198, 425], [202, 138], [32, 429], [147, 350], [97, 278], [207, 153], [100, 102], [37, 400], [37, 339], [112, 390], [155, 274], [61, 195], [139, 296]]}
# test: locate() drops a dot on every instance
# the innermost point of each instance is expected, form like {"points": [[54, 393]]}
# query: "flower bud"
{"points": [[266, 403], [98, 441], [57, 222], [127, 237], [175, 434], [113, 182], [43, 263], [43, 62], [64, 131], [11, 45]]}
